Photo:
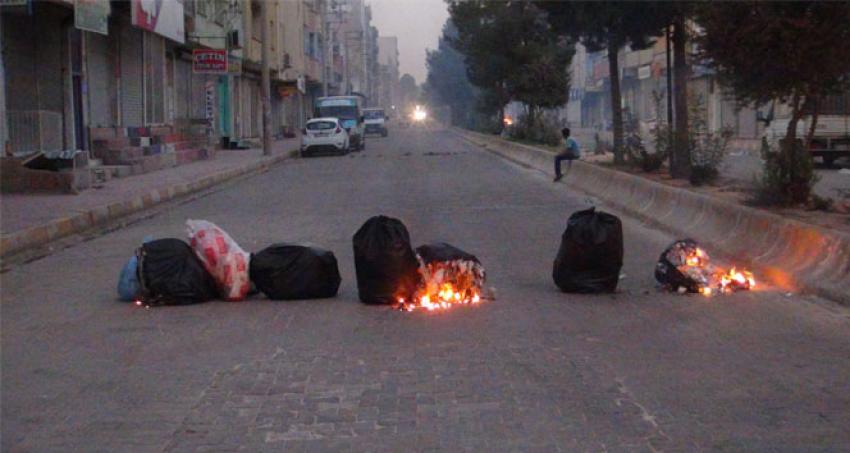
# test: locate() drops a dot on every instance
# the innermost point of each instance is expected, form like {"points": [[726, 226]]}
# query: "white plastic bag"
{"points": [[222, 257]]}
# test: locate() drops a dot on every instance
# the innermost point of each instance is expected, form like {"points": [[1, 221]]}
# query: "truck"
{"points": [[376, 121], [349, 112], [831, 138]]}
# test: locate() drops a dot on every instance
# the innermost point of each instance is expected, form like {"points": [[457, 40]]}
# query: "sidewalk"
{"points": [[21, 212]]}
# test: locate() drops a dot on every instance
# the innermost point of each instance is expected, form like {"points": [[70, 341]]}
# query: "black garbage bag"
{"points": [[591, 253], [440, 251], [384, 260], [288, 271], [674, 272], [169, 273]]}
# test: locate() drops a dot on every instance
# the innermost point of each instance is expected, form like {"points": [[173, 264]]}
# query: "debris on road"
{"points": [[448, 277], [591, 253], [384, 261], [685, 267], [128, 281], [169, 273], [288, 271], [222, 257]]}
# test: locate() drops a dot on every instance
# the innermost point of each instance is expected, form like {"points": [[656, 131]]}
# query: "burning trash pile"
{"points": [[435, 276], [685, 267], [448, 276], [213, 266]]}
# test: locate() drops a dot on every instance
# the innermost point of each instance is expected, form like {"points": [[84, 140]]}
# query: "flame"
{"points": [[509, 121], [446, 297], [696, 258], [735, 279]]}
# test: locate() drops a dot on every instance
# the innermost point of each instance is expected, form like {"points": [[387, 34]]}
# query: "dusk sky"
{"points": [[416, 23]]}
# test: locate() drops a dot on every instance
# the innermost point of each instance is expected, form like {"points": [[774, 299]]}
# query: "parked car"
{"points": [[324, 136], [376, 121], [347, 109]]}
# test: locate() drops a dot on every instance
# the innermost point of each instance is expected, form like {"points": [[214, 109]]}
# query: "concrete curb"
{"points": [[791, 254], [66, 226]]}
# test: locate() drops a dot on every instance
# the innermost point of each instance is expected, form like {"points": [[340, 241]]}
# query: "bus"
{"points": [[348, 110]]}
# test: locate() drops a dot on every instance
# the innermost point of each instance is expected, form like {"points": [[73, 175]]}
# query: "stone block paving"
{"points": [[448, 397]]}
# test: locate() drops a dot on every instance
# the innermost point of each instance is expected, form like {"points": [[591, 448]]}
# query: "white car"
{"points": [[324, 136]]}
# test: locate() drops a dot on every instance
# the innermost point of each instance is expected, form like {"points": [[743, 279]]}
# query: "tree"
{"points": [[607, 25], [790, 52], [511, 53], [447, 82], [408, 90]]}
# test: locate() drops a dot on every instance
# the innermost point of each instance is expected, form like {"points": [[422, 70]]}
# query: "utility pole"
{"points": [[267, 89], [267, 107], [670, 152], [326, 48]]}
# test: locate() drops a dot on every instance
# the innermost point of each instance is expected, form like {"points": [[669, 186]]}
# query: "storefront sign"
{"points": [[209, 61], [92, 15], [163, 17], [209, 106], [234, 64], [287, 90]]}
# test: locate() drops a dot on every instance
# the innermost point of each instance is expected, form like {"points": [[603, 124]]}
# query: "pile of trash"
{"points": [[448, 276], [212, 266], [685, 267], [434, 276]]}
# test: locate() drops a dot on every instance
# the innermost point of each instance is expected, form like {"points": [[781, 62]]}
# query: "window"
{"points": [[320, 125]]}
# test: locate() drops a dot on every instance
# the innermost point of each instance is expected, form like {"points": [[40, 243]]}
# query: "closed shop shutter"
{"points": [[154, 79], [132, 102], [183, 88], [198, 96], [101, 80]]}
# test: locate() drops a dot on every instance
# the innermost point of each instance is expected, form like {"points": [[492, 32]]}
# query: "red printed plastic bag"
{"points": [[222, 257]]}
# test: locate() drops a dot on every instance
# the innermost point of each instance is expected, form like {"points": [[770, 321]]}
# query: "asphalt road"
{"points": [[533, 370]]}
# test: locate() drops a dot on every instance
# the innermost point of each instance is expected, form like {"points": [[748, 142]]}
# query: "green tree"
{"points": [[607, 25], [409, 91], [511, 53], [447, 83], [793, 52]]}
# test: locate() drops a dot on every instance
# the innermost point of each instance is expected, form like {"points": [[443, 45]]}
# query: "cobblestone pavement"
{"points": [[533, 370]]}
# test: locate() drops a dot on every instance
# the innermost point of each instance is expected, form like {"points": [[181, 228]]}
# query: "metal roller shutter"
{"points": [[132, 96], [154, 50], [183, 88], [100, 78]]}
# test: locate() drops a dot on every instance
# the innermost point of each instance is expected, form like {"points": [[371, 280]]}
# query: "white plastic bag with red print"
{"points": [[222, 257]]}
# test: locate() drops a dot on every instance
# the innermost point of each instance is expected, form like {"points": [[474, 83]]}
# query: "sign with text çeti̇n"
{"points": [[92, 15], [163, 17], [209, 61]]}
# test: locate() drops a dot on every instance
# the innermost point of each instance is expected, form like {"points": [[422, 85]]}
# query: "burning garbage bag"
{"points": [[222, 257], [287, 271], [384, 260], [591, 253], [449, 276], [169, 273], [684, 265]]}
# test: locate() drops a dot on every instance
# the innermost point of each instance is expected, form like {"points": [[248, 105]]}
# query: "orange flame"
{"points": [[446, 297]]}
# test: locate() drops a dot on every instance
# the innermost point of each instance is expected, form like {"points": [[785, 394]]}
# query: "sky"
{"points": [[417, 24]]}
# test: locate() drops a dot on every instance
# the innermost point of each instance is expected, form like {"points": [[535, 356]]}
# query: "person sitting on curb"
{"points": [[571, 152]]}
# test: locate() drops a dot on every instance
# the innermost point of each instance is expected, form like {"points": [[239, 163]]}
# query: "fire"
{"points": [[446, 297], [735, 280], [685, 267], [509, 121]]}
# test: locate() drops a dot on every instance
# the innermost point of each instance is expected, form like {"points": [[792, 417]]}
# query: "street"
{"points": [[532, 370]]}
